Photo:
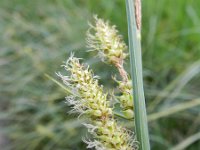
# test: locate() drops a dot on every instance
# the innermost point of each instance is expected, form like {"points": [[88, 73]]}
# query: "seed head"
{"points": [[105, 39]]}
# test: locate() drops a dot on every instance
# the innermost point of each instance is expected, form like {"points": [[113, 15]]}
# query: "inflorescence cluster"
{"points": [[88, 96]]}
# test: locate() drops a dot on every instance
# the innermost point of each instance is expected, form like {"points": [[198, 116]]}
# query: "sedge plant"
{"points": [[88, 98]]}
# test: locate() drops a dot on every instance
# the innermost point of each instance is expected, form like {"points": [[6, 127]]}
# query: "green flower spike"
{"points": [[104, 38], [90, 100], [106, 41]]}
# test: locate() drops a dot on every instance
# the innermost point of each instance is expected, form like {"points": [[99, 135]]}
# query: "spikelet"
{"points": [[104, 38], [90, 100], [126, 99]]}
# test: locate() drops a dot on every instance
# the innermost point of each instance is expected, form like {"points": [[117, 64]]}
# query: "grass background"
{"points": [[37, 36]]}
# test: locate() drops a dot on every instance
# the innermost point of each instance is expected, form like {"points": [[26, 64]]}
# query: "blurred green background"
{"points": [[37, 36]]}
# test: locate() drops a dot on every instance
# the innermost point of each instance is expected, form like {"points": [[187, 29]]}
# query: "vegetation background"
{"points": [[37, 36]]}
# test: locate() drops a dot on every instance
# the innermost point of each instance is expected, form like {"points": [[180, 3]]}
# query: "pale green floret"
{"points": [[105, 39], [126, 98], [128, 113], [89, 99]]}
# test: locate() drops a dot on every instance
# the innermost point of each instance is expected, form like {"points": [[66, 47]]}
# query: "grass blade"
{"points": [[136, 73], [187, 142], [58, 83], [174, 109]]}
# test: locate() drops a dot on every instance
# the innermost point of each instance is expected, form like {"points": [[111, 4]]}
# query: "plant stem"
{"points": [[134, 23]]}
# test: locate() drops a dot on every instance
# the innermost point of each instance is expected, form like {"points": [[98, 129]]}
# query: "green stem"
{"points": [[136, 73]]}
